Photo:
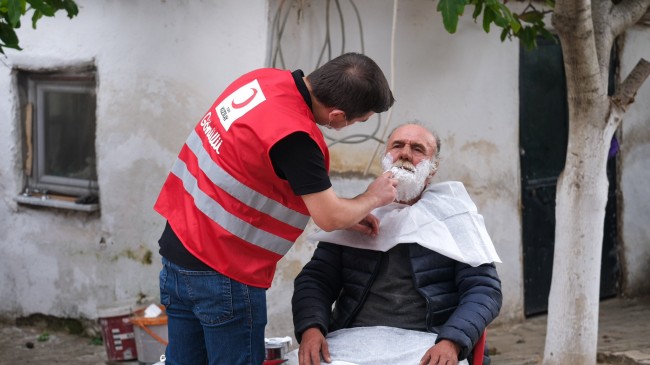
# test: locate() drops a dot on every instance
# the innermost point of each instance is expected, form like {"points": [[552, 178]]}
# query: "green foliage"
{"points": [[526, 25], [12, 10], [43, 337]]}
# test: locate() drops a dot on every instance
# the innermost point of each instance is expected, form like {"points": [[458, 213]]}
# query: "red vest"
{"points": [[222, 197]]}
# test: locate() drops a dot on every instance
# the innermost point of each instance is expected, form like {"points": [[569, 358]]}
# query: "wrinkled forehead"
{"points": [[413, 135]]}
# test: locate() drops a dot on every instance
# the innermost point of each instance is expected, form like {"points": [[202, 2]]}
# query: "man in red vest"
{"points": [[245, 183]]}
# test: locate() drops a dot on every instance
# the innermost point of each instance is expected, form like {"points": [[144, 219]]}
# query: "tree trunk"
{"points": [[572, 328]]}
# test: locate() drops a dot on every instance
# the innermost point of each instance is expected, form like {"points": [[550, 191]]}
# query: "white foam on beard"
{"points": [[409, 184]]}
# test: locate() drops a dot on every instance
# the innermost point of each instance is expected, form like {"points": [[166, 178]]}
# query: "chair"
{"points": [[479, 349]]}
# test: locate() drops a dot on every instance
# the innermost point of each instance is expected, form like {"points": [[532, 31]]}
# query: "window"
{"points": [[59, 134]]}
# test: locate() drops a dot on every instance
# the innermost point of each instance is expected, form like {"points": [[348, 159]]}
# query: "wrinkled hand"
{"points": [[312, 345], [383, 188], [368, 226], [444, 352]]}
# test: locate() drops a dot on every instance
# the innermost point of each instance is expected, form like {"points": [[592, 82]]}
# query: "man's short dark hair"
{"points": [[352, 82]]}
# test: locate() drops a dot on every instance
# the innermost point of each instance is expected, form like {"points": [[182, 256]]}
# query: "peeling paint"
{"points": [[142, 255], [481, 148], [344, 160]]}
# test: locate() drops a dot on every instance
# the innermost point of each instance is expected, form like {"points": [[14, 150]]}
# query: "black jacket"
{"points": [[461, 300]]}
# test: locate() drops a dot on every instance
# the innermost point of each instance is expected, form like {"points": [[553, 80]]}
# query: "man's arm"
{"points": [[444, 352], [316, 288], [298, 159], [330, 212], [313, 344], [479, 304]]}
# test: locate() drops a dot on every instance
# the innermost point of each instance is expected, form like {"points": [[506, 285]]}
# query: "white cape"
{"points": [[445, 220], [375, 345]]}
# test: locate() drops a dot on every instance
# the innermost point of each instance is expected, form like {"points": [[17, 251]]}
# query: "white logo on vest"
{"points": [[239, 103]]}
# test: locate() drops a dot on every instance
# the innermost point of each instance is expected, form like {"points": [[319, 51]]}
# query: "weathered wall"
{"points": [[464, 86], [160, 64], [635, 172]]}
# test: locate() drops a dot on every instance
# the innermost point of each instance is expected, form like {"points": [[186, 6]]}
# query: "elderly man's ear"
{"points": [[434, 168]]}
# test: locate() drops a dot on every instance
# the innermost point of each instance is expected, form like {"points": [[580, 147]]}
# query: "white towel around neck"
{"points": [[444, 220]]}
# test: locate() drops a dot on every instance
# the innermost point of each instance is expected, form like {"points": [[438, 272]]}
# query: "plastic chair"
{"points": [[274, 362], [479, 349]]}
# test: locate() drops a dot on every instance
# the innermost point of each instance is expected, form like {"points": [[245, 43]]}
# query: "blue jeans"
{"points": [[211, 319]]}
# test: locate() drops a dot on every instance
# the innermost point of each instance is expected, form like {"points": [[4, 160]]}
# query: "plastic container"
{"points": [[150, 336], [117, 331], [276, 347]]}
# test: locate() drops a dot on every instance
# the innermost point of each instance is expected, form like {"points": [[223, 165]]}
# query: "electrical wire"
{"points": [[356, 12], [392, 85], [338, 7], [356, 138], [280, 18], [279, 32]]}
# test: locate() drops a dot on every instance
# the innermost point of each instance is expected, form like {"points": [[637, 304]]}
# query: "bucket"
{"points": [[276, 347], [150, 336], [117, 332]]}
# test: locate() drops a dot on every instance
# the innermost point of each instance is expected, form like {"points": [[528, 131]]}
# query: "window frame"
{"points": [[39, 185]]}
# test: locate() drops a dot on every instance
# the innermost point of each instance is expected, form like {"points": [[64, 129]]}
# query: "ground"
{"points": [[624, 339]]}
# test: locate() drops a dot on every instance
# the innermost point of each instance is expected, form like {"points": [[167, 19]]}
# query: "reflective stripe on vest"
{"points": [[244, 194], [241, 192]]}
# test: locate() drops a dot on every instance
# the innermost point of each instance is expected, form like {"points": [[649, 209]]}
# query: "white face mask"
{"points": [[410, 179], [329, 125]]}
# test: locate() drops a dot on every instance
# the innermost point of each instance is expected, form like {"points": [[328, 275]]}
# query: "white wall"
{"points": [[160, 64], [635, 172], [464, 86]]}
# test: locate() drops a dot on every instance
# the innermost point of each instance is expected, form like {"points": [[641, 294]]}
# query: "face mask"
{"points": [[410, 179], [329, 126]]}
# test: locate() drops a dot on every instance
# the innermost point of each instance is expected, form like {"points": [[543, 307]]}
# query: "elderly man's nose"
{"points": [[405, 153]]}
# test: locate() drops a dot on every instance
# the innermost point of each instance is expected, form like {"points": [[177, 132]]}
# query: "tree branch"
{"points": [[645, 19], [626, 14], [624, 96]]}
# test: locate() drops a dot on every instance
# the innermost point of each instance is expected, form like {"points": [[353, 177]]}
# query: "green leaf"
{"points": [[528, 37], [41, 6], [488, 17], [15, 8], [531, 16], [510, 18], [11, 11], [478, 8], [35, 17], [500, 21], [548, 35], [8, 35], [451, 10], [504, 34], [499, 16], [71, 8]]}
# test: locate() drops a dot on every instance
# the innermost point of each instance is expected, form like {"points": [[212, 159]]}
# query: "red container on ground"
{"points": [[117, 332]]}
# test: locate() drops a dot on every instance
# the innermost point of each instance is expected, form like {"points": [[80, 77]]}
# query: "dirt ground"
{"points": [[624, 338]]}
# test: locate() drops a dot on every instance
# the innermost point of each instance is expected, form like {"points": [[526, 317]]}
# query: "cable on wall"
{"points": [[392, 86], [282, 13]]}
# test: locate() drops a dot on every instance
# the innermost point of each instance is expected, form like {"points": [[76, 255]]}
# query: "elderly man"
{"points": [[427, 283]]}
